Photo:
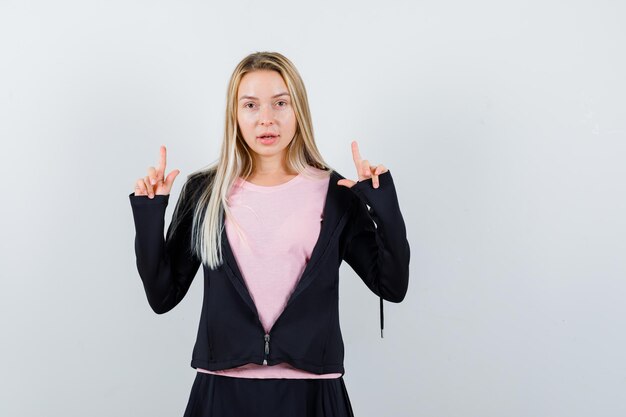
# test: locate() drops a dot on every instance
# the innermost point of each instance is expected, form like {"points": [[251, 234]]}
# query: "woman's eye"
{"points": [[284, 102], [246, 105]]}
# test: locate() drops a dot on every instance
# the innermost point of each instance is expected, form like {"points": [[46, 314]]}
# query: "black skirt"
{"points": [[224, 396]]}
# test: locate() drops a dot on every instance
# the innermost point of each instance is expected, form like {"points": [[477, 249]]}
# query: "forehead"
{"points": [[261, 83]]}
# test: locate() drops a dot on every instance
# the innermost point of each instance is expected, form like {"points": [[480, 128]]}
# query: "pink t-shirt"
{"points": [[280, 226]]}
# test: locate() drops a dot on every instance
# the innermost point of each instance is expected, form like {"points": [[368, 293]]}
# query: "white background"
{"points": [[503, 123]]}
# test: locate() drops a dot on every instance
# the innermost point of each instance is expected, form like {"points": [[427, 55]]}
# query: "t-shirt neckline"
{"points": [[270, 188]]}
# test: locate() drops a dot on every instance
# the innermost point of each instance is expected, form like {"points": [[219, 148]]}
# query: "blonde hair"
{"points": [[235, 159]]}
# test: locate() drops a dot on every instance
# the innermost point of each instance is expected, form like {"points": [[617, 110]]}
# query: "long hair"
{"points": [[235, 160]]}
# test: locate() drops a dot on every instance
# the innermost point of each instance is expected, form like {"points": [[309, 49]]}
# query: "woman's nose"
{"points": [[266, 115]]}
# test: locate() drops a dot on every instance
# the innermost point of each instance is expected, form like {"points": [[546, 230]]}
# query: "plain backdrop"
{"points": [[503, 123]]}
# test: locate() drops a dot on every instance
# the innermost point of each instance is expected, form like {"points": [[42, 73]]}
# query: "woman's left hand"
{"points": [[363, 168]]}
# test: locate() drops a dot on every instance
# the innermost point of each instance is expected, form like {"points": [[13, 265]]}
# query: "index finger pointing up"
{"points": [[162, 163], [356, 156]]}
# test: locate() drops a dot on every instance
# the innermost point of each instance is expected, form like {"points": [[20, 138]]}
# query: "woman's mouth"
{"points": [[268, 139]]}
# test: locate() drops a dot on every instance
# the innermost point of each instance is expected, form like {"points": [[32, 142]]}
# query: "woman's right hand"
{"points": [[154, 182]]}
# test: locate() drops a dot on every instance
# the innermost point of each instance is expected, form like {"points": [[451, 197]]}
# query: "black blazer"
{"points": [[307, 334]]}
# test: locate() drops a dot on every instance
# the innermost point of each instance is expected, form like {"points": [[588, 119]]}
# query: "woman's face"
{"points": [[264, 107]]}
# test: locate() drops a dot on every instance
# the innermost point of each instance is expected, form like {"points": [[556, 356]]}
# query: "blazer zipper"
{"points": [[266, 336], [267, 348]]}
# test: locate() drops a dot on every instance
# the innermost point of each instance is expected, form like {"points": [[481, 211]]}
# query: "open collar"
{"points": [[335, 209]]}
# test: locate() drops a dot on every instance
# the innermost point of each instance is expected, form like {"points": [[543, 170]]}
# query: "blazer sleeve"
{"points": [[166, 265], [377, 248]]}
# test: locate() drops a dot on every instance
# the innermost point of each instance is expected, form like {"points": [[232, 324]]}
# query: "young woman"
{"points": [[270, 222]]}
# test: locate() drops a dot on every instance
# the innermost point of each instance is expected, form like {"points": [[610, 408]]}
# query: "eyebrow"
{"points": [[255, 98]]}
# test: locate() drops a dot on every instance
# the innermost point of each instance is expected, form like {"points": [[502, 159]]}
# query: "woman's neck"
{"points": [[270, 172]]}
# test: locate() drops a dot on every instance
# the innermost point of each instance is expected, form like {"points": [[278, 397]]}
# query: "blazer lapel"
{"points": [[335, 209], [232, 271]]}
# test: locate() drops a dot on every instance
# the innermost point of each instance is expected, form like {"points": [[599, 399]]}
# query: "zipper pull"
{"points": [[267, 348]]}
